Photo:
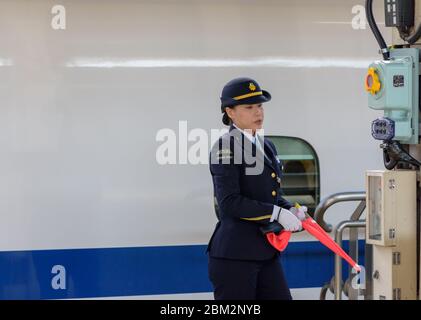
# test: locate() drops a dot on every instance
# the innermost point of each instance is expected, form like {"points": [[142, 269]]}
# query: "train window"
{"points": [[301, 178]]}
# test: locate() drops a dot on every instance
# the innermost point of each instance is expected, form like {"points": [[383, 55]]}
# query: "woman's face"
{"points": [[247, 116]]}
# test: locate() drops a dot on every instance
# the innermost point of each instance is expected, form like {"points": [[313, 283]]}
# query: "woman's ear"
{"points": [[230, 112]]}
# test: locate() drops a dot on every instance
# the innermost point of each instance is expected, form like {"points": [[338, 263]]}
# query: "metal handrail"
{"points": [[331, 200], [338, 260], [319, 213], [324, 290]]}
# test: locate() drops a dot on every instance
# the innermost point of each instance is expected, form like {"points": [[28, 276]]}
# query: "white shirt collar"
{"points": [[247, 133], [254, 139]]}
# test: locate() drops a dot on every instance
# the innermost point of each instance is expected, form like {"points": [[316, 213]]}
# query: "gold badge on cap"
{"points": [[252, 87]]}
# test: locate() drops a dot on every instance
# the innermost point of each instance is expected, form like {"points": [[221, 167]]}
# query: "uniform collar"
{"points": [[247, 133], [262, 143]]}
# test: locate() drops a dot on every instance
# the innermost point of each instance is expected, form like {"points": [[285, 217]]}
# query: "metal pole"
{"points": [[338, 260], [331, 200]]}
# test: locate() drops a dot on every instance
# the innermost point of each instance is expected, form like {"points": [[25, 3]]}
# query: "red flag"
{"points": [[314, 229], [279, 241]]}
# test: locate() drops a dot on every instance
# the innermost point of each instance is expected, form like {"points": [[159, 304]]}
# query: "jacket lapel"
{"points": [[270, 156], [251, 149]]}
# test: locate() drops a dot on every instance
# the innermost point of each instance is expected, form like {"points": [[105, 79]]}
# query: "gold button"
{"points": [[273, 193], [273, 175]]}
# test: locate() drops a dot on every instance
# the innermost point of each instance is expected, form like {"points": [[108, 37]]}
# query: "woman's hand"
{"points": [[288, 220]]}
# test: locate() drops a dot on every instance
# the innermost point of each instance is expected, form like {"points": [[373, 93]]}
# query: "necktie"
{"points": [[256, 141]]}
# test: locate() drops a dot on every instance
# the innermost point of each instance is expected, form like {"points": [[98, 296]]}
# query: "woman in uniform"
{"points": [[246, 175]]}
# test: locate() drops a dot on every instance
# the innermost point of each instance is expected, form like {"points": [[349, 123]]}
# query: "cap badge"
{"points": [[252, 87]]}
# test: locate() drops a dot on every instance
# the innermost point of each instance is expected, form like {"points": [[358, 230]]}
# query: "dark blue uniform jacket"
{"points": [[245, 199]]}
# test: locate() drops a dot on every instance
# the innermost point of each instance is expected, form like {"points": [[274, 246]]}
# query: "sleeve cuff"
{"points": [[275, 213]]}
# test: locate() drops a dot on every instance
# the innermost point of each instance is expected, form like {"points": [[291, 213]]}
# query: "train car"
{"points": [[107, 113]]}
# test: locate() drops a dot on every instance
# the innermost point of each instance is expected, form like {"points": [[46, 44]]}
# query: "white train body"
{"points": [[86, 208]]}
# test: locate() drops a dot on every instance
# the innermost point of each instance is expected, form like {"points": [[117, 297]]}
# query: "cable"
{"points": [[414, 38], [393, 153], [373, 26]]}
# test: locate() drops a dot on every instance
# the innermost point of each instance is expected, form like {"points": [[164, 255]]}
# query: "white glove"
{"points": [[300, 212], [288, 220]]}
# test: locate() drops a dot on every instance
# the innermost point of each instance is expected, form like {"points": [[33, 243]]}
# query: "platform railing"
{"points": [[336, 286]]}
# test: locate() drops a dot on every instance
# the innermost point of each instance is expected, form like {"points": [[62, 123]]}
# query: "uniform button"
{"points": [[273, 175], [273, 193]]}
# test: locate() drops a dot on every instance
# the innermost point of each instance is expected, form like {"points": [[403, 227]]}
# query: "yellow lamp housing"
{"points": [[372, 82]]}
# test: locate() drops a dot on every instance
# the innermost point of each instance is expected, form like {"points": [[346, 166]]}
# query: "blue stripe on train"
{"points": [[140, 271]]}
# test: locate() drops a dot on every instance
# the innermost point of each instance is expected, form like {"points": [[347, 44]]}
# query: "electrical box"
{"points": [[391, 229], [392, 86]]}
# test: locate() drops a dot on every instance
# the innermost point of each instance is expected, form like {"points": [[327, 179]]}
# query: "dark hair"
{"points": [[225, 119]]}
